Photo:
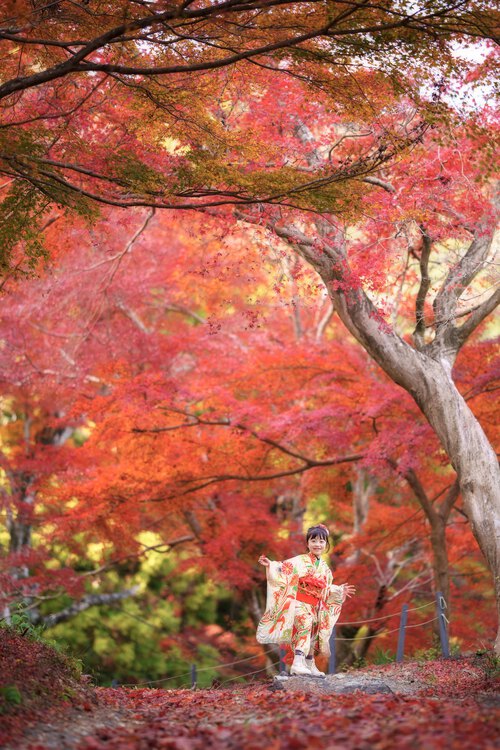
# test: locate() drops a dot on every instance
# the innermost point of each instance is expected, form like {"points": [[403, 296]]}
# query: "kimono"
{"points": [[305, 626]]}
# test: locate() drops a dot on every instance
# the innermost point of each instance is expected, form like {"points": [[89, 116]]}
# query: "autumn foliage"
{"points": [[213, 188], [190, 382]]}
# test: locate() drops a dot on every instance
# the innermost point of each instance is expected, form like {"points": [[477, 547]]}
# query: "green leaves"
{"points": [[21, 623], [11, 695], [21, 213]]}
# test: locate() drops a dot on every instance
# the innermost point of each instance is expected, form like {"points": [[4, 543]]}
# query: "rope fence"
{"points": [[198, 670], [257, 671], [439, 603], [386, 617], [386, 632]]}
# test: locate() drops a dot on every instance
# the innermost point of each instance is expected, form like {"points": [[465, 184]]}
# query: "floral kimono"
{"points": [[302, 604]]}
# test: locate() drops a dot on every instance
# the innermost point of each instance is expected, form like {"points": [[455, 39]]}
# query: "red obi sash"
{"points": [[310, 590], [307, 598]]}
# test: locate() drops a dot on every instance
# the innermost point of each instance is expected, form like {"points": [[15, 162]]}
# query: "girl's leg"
{"points": [[315, 672], [301, 638], [302, 627]]}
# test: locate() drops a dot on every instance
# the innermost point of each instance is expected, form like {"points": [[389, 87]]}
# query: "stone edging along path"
{"points": [[402, 680], [349, 683], [340, 684]]}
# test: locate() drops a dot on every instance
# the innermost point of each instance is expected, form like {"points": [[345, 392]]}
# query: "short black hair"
{"points": [[320, 531]]}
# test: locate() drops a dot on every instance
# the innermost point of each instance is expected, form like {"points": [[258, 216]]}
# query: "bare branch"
{"points": [[133, 316], [417, 488], [380, 183], [325, 320], [457, 280], [171, 307], [92, 600], [425, 282], [450, 500], [477, 316]]}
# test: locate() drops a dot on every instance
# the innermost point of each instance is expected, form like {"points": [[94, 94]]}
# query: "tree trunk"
{"points": [[364, 486], [440, 564], [362, 490], [428, 380], [438, 516], [18, 524], [475, 462]]}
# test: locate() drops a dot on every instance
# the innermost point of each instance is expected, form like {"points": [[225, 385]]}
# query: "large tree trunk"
{"points": [[473, 459], [471, 456], [425, 371], [428, 380]]}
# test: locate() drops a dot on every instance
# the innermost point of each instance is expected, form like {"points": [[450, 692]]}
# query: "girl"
{"points": [[303, 604]]}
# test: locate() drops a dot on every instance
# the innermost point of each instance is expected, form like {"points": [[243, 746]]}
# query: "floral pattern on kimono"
{"points": [[277, 624]]}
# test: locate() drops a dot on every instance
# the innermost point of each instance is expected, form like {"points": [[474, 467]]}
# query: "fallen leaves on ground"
{"points": [[35, 680], [254, 717], [455, 705]]}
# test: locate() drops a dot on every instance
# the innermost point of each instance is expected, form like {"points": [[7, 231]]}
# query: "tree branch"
{"points": [[226, 422], [380, 183], [92, 600], [417, 488], [450, 500], [457, 280], [267, 477], [477, 316], [425, 282]]}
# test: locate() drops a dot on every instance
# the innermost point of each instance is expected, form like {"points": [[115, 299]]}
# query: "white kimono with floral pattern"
{"points": [[277, 623]]}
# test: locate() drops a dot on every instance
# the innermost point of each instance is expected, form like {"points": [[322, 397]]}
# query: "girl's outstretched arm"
{"points": [[265, 561]]}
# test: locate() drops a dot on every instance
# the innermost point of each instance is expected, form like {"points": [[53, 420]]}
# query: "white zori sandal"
{"points": [[313, 669], [299, 666]]}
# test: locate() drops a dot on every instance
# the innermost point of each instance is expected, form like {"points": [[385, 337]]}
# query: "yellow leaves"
{"points": [[94, 551], [174, 146]]}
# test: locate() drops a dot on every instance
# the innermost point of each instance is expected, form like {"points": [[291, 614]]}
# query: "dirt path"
{"points": [[404, 707], [73, 727]]}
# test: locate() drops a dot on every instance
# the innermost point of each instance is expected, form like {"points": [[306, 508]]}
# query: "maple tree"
{"points": [[425, 370], [299, 174], [147, 365]]}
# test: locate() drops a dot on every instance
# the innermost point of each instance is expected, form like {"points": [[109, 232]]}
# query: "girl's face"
{"points": [[316, 545]]}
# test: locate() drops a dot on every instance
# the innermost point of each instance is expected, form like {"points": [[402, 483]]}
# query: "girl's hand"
{"points": [[265, 561], [349, 590]]}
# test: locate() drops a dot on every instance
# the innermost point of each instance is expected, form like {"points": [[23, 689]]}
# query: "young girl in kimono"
{"points": [[303, 604]]}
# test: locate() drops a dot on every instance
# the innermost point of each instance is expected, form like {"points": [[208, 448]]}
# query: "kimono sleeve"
{"points": [[277, 621], [280, 578], [336, 595]]}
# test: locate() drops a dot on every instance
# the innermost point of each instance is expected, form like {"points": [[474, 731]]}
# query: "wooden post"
{"points": [[282, 667], [443, 630], [401, 636]]}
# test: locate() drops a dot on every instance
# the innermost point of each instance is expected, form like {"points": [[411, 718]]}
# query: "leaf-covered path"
{"points": [[457, 708]]}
